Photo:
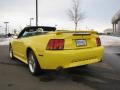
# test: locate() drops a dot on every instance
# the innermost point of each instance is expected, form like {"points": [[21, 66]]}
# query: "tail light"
{"points": [[55, 44], [98, 41]]}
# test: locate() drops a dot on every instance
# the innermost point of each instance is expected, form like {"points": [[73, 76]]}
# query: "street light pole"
{"points": [[36, 12], [31, 20], [6, 27], [0, 30]]}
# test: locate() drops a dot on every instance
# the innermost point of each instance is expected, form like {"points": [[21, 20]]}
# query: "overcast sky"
{"points": [[54, 12]]}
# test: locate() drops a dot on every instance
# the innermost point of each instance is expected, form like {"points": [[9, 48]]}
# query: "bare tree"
{"points": [[75, 13]]}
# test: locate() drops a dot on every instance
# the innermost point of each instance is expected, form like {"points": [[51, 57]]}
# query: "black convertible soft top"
{"points": [[45, 28], [35, 28]]}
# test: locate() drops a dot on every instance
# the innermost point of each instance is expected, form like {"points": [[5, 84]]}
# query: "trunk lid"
{"points": [[77, 39]]}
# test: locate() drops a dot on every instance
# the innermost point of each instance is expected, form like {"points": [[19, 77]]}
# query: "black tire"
{"points": [[101, 60], [84, 66], [33, 64], [11, 52]]}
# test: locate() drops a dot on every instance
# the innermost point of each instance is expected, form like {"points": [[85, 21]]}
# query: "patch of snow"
{"points": [[110, 40], [5, 41]]}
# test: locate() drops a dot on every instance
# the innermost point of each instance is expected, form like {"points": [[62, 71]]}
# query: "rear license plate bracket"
{"points": [[81, 42]]}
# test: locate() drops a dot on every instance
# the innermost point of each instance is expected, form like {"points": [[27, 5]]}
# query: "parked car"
{"points": [[46, 48]]}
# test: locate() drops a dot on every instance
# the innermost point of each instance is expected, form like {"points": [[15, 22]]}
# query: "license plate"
{"points": [[81, 43]]}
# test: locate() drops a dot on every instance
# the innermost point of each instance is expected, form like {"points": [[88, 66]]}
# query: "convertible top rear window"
{"points": [[32, 33]]}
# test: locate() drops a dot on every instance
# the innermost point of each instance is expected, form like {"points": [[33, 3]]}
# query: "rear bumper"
{"points": [[70, 58]]}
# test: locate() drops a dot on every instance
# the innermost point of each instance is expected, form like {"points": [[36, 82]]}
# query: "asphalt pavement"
{"points": [[14, 75]]}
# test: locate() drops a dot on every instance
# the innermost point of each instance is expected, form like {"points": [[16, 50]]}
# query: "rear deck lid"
{"points": [[78, 39]]}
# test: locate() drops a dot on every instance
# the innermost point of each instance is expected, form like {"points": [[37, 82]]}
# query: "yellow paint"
{"points": [[71, 56]]}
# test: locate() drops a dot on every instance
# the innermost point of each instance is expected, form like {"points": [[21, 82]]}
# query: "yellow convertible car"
{"points": [[47, 48]]}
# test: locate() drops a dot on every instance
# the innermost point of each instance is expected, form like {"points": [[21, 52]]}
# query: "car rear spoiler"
{"points": [[74, 32]]}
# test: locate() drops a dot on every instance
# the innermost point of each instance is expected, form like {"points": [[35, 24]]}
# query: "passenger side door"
{"points": [[19, 45]]}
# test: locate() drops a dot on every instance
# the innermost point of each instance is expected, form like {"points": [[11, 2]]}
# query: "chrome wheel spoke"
{"points": [[31, 63], [10, 52]]}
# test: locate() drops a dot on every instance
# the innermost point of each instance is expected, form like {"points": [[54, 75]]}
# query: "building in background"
{"points": [[108, 31], [116, 22]]}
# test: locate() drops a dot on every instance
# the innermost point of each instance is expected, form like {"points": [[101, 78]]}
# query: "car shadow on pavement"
{"points": [[97, 78], [93, 76]]}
